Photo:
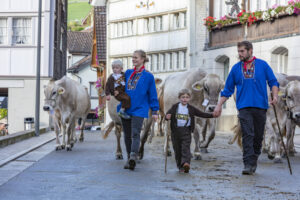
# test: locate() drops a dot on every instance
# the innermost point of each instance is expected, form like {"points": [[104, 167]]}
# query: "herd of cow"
{"points": [[67, 102]]}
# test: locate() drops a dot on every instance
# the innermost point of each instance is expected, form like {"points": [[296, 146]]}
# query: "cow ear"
{"points": [[198, 86], [282, 92], [158, 81], [61, 90]]}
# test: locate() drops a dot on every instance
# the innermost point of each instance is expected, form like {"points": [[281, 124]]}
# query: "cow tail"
{"points": [[108, 129], [237, 131]]}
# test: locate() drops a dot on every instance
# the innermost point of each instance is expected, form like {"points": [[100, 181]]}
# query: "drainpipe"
{"points": [[51, 39], [80, 79]]}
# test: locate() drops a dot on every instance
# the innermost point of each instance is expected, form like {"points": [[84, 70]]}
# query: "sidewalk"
{"points": [[14, 151]]}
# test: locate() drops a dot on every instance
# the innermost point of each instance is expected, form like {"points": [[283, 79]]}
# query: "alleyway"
{"points": [[90, 171]]}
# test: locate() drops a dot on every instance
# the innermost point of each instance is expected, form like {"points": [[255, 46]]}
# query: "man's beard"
{"points": [[244, 58]]}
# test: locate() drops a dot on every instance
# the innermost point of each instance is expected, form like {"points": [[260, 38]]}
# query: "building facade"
{"points": [[161, 28], [18, 55]]}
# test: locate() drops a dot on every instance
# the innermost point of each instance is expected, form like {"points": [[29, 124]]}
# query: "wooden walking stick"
{"points": [[287, 156], [166, 153]]}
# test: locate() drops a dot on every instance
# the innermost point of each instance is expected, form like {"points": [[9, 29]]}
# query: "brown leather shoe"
{"points": [[186, 167]]}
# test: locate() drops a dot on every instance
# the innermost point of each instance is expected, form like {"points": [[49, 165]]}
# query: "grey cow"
{"points": [[67, 101]]}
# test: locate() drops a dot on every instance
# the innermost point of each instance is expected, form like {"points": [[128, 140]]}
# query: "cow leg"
{"points": [[211, 124], [196, 135], [145, 133], [290, 133], [64, 130], [161, 126], [276, 146], [69, 133], [152, 132], [73, 136], [57, 129], [167, 138], [81, 138], [119, 155]]}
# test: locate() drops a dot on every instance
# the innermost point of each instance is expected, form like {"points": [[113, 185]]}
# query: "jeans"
{"points": [[252, 122], [132, 129]]}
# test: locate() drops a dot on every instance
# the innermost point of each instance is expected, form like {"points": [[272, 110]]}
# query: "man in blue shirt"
{"points": [[250, 77]]}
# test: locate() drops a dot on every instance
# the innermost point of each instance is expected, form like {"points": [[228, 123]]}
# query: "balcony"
{"points": [[283, 26]]}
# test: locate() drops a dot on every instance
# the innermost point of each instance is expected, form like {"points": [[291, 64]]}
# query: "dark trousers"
{"points": [[181, 141], [132, 129], [252, 122], [123, 97]]}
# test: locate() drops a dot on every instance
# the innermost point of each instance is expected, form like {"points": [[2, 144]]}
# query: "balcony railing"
{"points": [[229, 35]]}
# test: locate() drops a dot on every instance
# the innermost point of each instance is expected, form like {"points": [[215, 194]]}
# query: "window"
{"points": [[93, 90], [3, 31], [129, 29], [115, 30], [21, 31], [167, 61], [182, 20], [125, 64], [125, 26], [176, 21], [156, 63], [162, 62], [146, 25], [120, 29], [149, 66], [151, 24], [158, 23], [279, 59]]}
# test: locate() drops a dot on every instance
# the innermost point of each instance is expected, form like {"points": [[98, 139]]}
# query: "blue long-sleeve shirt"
{"points": [[251, 92], [142, 92]]}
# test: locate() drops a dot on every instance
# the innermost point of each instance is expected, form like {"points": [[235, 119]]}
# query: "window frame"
{"points": [[12, 43]]}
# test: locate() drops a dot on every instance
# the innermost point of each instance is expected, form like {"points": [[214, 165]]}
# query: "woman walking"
{"points": [[140, 87]]}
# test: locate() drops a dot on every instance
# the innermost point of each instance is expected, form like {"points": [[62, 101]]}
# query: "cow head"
{"points": [[292, 94], [52, 92], [210, 86]]}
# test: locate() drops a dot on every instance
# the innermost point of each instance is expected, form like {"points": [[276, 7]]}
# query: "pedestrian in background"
{"points": [[182, 116], [250, 77], [140, 87]]}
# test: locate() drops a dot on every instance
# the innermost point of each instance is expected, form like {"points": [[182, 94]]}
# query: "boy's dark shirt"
{"points": [[110, 85], [192, 113]]}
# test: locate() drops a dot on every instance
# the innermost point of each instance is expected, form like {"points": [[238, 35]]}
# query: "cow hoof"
{"points": [[69, 149], [72, 145], [203, 150], [57, 148], [271, 157], [63, 146], [81, 139], [119, 157], [141, 156], [197, 157], [277, 160]]}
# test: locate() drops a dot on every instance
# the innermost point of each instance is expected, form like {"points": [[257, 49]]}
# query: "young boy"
{"points": [[182, 117], [115, 86]]}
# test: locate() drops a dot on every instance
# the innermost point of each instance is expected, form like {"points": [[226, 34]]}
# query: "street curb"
{"points": [[16, 156], [19, 136]]}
